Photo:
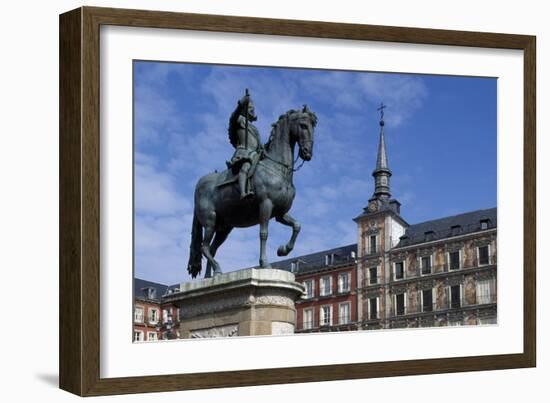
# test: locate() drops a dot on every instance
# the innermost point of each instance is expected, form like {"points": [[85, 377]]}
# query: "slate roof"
{"points": [[443, 227], [316, 261], [141, 290]]}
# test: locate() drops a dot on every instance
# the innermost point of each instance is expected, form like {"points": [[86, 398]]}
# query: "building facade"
{"points": [[441, 272], [330, 280], [153, 319]]}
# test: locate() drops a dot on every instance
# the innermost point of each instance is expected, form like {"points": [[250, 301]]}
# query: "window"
{"points": [[138, 314], [372, 244], [326, 285], [138, 335], [344, 313], [484, 224], [308, 319], [427, 300], [165, 316], [373, 308], [483, 254], [426, 264], [293, 267], [343, 282], [456, 230], [153, 315], [399, 270], [373, 275], [429, 236], [325, 313], [150, 292], [152, 336], [485, 291], [455, 296], [308, 284], [454, 260], [400, 304]]}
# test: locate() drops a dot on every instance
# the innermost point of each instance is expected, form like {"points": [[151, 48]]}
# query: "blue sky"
{"points": [[440, 137]]}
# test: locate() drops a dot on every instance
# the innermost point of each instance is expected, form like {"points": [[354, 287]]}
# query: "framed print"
{"points": [[284, 201]]}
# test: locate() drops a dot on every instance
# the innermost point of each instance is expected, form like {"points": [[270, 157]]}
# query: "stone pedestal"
{"points": [[247, 302]]}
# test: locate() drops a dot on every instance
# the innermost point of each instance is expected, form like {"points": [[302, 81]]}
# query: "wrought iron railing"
{"points": [[373, 249], [448, 304], [316, 324], [446, 268]]}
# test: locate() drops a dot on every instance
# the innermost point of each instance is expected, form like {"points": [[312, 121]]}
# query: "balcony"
{"points": [[317, 326], [445, 268], [454, 305], [373, 249]]}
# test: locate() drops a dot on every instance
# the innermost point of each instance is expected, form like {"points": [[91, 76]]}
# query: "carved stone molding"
{"points": [[454, 280], [219, 331], [483, 241], [425, 252], [377, 292], [425, 284], [398, 257], [398, 289], [454, 247]]}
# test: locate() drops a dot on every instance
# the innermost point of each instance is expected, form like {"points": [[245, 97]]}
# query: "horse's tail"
{"points": [[194, 266]]}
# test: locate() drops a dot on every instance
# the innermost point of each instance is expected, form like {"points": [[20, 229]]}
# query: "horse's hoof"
{"points": [[282, 250]]}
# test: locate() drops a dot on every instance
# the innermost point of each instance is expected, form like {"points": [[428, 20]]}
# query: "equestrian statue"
{"points": [[256, 187]]}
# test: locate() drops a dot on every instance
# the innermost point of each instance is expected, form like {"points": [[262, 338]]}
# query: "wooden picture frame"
{"points": [[79, 282]]}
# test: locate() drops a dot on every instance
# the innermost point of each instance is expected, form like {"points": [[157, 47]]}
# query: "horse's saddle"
{"points": [[231, 176]]}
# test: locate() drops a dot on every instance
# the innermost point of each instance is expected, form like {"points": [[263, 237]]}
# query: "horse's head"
{"points": [[302, 124]]}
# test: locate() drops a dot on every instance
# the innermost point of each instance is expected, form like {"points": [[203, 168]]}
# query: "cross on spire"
{"points": [[382, 170], [381, 109]]}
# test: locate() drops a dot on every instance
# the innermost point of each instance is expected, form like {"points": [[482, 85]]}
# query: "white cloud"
{"points": [[156, 193]]}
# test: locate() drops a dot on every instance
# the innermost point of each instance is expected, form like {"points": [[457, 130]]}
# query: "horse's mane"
{"points": [[284, 119]]}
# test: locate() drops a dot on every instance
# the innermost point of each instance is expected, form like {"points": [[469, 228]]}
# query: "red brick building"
{"points": [[330, 280], [153, 319]]}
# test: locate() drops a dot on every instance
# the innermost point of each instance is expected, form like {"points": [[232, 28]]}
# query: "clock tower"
{"points": [[380, 226]]}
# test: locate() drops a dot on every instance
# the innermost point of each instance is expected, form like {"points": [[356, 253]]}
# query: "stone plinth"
{"points": [[247, 302]]}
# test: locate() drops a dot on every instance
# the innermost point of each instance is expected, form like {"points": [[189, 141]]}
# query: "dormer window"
{"points": [[455, 230], [484, 224], [151, 292], [329, 259], [429, 235]]}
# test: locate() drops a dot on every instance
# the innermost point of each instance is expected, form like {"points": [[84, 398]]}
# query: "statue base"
{"points": [[249, 302]]}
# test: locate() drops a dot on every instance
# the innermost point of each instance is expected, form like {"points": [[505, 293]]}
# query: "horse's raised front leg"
{"points": [[290, 221], [266, 208], [219, 238]]}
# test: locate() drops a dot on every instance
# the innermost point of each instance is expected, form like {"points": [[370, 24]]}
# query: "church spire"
{"points": [[382, 171]]}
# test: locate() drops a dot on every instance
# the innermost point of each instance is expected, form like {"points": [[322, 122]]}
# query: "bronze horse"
{"points": [[219, 209]]}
